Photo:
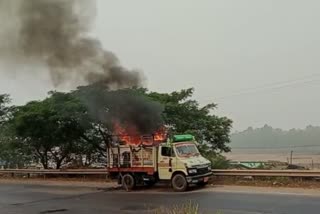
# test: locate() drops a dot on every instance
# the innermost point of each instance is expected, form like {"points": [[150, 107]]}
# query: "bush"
{"points": [[218, 161], [187, 208]]}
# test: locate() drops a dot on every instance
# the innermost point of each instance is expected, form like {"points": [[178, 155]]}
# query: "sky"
{"points": [[258, 60]]}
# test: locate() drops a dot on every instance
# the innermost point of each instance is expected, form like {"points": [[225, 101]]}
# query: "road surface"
{"points": [[36, 199]]}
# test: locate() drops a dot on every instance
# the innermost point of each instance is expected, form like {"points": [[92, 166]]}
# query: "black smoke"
{"points": [[57, 33], [129, 108]]}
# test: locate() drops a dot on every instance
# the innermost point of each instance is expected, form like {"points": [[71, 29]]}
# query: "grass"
{"points": [[187, 208]]}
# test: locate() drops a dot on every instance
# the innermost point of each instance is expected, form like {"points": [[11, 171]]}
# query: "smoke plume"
{"points": [[131, 110], [56, 33]]}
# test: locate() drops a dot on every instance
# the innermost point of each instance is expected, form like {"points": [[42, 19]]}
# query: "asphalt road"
{"points": [[35, 199]]}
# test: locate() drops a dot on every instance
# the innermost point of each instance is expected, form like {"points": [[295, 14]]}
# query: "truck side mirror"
{"points": [[170, 162]]}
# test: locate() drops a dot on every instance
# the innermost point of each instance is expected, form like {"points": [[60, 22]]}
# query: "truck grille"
{"points": [[202, 171]]}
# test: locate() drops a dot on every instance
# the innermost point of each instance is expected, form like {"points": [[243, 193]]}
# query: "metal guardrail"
{"points": [[216, 172], [56, 172], [267, 173]]}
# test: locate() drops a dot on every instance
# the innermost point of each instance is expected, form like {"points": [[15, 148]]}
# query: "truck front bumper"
{"points": [[205, 178]]}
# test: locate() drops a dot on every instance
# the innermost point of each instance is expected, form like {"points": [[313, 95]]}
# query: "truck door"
{"points": [[165, 163]]}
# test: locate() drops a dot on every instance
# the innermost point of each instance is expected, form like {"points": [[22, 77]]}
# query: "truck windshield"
{"points": [[186, 150]]}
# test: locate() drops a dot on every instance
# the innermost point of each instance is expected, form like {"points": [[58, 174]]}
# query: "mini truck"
{"points": [[177, 161]]}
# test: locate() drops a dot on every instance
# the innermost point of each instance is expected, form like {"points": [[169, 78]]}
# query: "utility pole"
{"points": [[291, 154]]}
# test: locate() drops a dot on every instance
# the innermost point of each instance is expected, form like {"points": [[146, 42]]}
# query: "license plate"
{"points": [[206, 179]]}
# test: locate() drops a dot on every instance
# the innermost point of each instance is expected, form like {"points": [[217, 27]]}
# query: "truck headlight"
{"points": [[209, 168], [192, 171]]}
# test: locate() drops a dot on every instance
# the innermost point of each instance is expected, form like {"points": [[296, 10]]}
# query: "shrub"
{"points": [[187, 208]]}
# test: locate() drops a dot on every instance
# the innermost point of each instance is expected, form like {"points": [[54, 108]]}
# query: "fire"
{"points": [[130, 136], [160, 135]]}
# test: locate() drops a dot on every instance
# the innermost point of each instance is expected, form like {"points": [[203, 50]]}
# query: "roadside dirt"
{"points": [[70, 182], [268, 182], [101, 183], [265, 190]]}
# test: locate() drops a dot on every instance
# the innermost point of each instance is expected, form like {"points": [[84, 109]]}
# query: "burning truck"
{"points": [[146, 160]]}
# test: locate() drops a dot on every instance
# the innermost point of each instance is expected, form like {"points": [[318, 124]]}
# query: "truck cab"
{"points": [[181, 163]]}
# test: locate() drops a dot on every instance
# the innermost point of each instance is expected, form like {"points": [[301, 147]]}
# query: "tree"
{"points": [[185, 115], [4, 108], [11, 155], [176, 110], [218, 161], [70, 126], [52, 128], [306, 139]]}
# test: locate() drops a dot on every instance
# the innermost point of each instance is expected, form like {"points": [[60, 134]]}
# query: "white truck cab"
{"points": [[182, 164]]}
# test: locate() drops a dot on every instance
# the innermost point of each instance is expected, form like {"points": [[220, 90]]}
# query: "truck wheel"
{"points": [[128, 182], [179, 183]]}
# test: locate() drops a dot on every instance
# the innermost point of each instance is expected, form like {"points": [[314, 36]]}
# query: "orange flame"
{"points": [[160, 135], [129, 136]]}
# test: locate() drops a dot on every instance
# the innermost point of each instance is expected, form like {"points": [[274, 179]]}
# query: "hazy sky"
{"points": [[259, 60]]}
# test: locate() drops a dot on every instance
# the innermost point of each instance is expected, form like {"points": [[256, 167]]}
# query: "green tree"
{"points": [[11, 155], [69, 126], [218, 161], [185, 115], [4, 108], [177, 110], [52, 128]]}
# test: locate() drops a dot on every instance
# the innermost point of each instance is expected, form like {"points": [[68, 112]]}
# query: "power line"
{"points": [[273, 86], [283, 82], [267, 89], [275, 147]]}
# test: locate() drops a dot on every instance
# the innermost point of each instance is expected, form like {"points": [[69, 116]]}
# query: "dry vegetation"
{"points": [[186, 208], [308, 183]]}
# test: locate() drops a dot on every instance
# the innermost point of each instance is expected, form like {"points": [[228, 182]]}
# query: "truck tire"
{"points": [[128, 182], [179, 183]]}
